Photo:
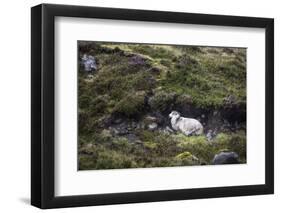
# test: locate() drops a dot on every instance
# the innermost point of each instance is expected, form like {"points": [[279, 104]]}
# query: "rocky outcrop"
{"points": [[89, 63]]}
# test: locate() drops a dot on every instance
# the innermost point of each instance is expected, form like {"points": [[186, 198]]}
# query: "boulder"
{"points": [[89, 63], [226, 157]]}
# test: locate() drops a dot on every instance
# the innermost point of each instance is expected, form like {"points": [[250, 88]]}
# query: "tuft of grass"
{"points": [[152, 51], [185, 159], [184, 155], [162, 100], [131, 105]]}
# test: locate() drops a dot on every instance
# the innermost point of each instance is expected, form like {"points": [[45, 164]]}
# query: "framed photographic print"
{"points": [[139, 106]]}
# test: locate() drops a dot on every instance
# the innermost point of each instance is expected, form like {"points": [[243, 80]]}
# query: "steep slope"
{"points": [[125, 102]]}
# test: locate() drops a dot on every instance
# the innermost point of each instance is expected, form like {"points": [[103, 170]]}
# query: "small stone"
{"points": [[152, 126], [209, 135], [117, 121], [90, 76], [89, 145], [169, 130], [150, 118], [131, 138], [133, 125], [119, 130]]}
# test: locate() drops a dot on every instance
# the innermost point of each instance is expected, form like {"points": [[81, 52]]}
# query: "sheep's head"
{"points": [[174, 114]]}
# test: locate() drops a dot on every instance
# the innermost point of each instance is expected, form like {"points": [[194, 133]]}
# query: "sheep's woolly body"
{"points": [[187, 126]]}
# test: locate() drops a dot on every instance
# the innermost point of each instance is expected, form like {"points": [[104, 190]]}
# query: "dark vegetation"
{"points": [[124, 104]]}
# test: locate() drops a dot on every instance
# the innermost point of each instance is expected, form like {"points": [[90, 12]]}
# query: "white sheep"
{"points": [[187, 126]]}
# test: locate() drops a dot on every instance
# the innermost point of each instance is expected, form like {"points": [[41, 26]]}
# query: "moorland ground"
{"points": [[125, 101]]}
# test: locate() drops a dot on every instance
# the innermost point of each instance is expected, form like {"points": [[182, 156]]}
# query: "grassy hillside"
{"points": [[124, 104]]}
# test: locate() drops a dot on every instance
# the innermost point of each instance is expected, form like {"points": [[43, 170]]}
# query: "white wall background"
{"points": [[15, 105]]}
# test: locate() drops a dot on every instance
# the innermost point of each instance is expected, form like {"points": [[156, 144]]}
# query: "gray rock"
{"points": [[231, 99], [133, 125], [132, 138], [89, 63], [152, 126], [169, 130], [211, 134], [118, 121], [150, 118], [226, 158], [140, 125], [89, 146], [120, 129]]}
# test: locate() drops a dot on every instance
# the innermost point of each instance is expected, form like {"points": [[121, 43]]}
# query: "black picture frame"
{"points": [[43, 102]]}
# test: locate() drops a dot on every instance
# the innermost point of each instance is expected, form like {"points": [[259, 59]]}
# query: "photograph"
{"points": [[135, 105], [160, 105]]}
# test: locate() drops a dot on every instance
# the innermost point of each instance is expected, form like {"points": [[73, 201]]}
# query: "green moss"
{"points": [[150, 145], [222, 75], [198, 146], [99, 104], [84, 101], [152, 51], [131, 105], [113, 160], [121, 144], [159, 150], [183, 139], [165, 62], [184, 155], [222, 138], [105, 158], [146, 135], [105, 135], [162, 100]]}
